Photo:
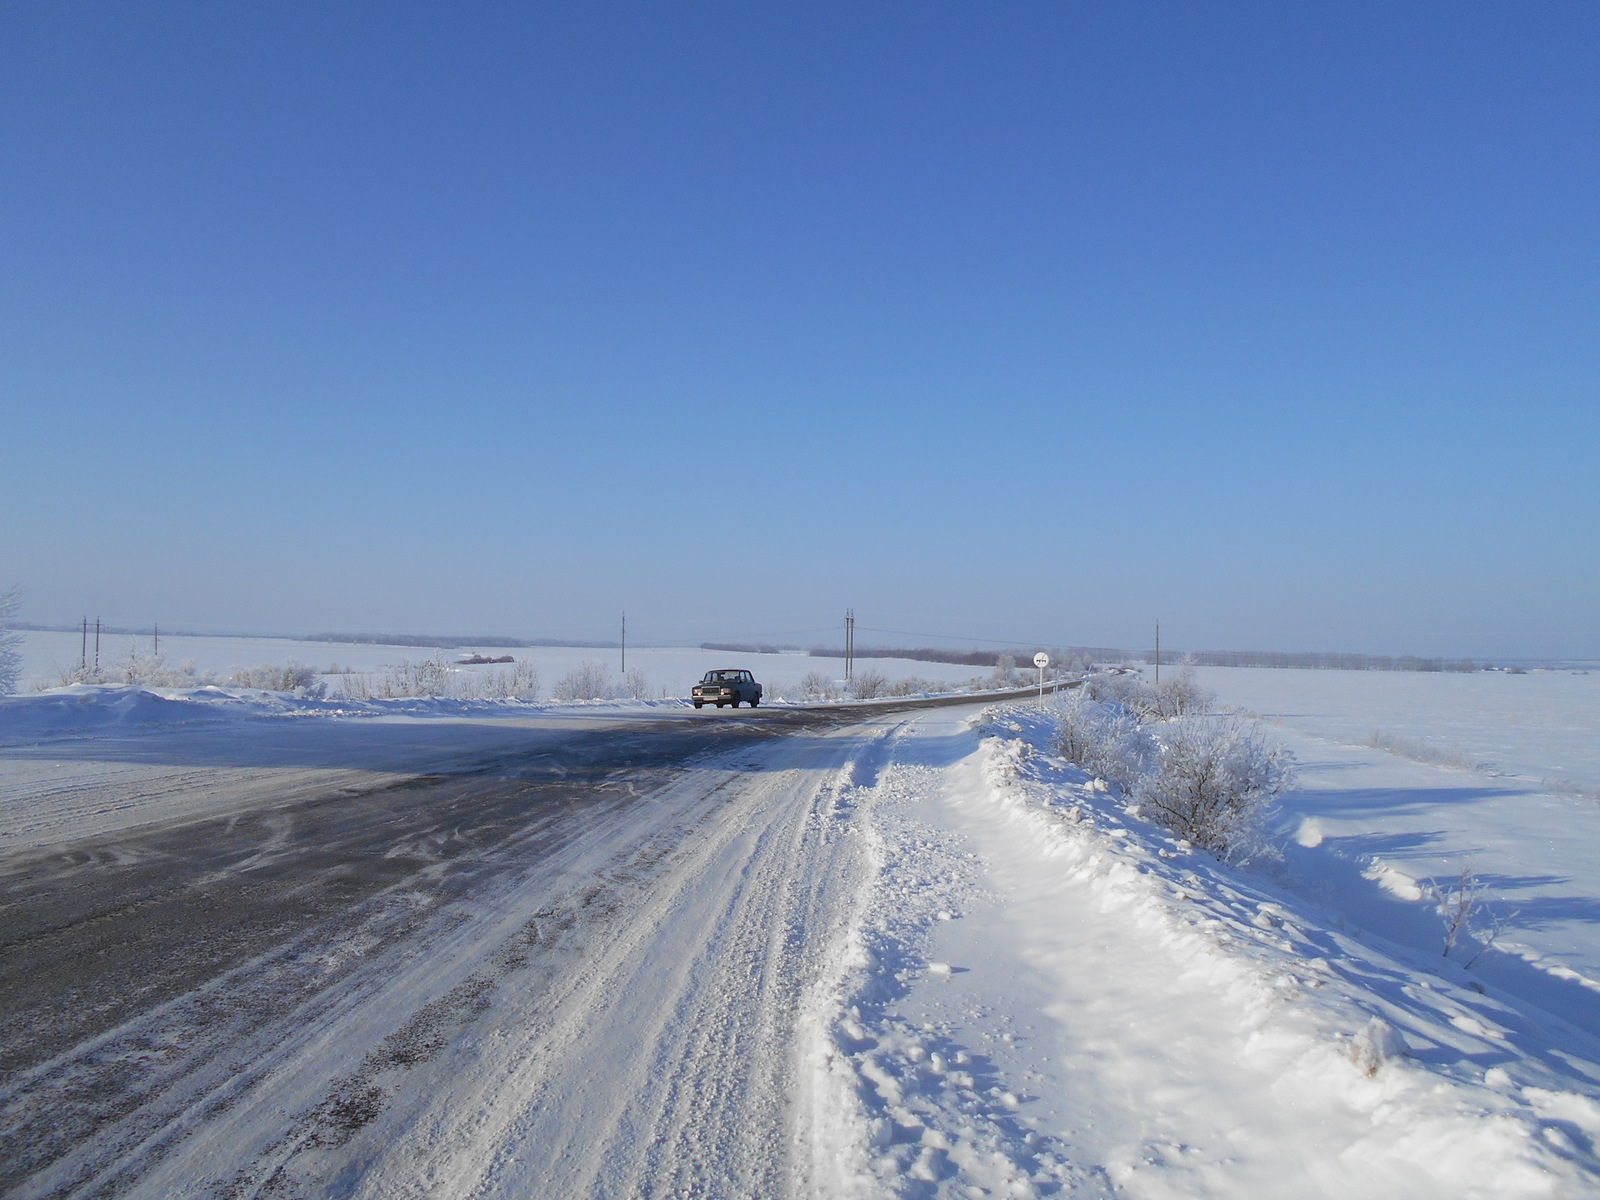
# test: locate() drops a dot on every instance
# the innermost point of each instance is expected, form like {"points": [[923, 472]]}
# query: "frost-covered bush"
{"points": [[430, 677], [589, 681], [635, 686], [914, 686], [1126, 751], [10, 641], [1421, 750], [406, 681], [1213, 782], [1465, 912], [76, 673], [1110, 687], [869, 685], [1106, 740], [1005, 672], [817, 686], [154, 671], [1210, 779], [521, 682], [136, 670], [290, 677], [1079, 718], [433, 677], [1180, 696]]}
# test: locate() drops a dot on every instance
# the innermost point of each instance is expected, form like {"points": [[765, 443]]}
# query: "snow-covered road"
{"points": [[575, 970], [910, 953]]}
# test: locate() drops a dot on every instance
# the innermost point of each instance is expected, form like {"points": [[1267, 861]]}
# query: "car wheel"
{"points": [[697, 704], [736, 702], [754, 701], [719, 703]]}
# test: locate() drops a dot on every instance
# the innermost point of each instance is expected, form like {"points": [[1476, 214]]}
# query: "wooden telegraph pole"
{"points": [[1158, 653], [624, 643]]}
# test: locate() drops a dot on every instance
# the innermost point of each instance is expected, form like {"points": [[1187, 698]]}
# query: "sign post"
{"points": [[1041, 660]]}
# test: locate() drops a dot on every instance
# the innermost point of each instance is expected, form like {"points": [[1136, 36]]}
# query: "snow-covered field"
{"points": [[1370, 825], [670, 671], [916, 955], [1542, 727]]}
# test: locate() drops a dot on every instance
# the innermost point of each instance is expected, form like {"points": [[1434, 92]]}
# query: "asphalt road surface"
{"points": [[568, 968]]}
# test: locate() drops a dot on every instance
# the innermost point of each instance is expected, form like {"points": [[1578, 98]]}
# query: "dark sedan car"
{"points": [[727, 687]]}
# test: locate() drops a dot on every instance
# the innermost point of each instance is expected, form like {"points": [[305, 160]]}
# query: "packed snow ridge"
{"points": [[1047, 992]]}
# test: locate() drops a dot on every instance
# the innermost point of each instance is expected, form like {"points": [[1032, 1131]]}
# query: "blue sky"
{"points": [[1277, 323]]}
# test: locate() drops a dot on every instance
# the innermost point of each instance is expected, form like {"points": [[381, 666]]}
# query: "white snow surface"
{"points": [[1046, 993], [670, 670], [1367, 829], [90, 759], [919, 956], [1541, 727]]}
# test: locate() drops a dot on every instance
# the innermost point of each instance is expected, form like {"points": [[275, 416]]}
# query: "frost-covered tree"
{"points": [[10, 641]]}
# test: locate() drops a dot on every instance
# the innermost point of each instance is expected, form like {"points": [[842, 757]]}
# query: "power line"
{"points": [[853, 627], [953, 638], [767, 637]]}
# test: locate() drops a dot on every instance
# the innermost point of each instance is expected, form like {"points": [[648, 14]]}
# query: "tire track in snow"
{"points": [[208, 1021], [667, 1065]]}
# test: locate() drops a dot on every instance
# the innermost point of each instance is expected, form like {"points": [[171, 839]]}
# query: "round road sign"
{"points": [[1041, 659]]}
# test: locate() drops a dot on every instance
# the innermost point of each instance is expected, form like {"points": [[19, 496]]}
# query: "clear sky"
{"points": [[1279, 323]]}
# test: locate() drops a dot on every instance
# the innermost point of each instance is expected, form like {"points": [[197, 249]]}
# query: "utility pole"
{"points": [[624, 643], [83, 654], [97, 645], [1158, 653], [158, 640], [849, 644]]}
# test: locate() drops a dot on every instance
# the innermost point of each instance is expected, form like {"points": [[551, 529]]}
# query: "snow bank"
{"points": [[1047, 992], [89, 708], [1349, 1025]]}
